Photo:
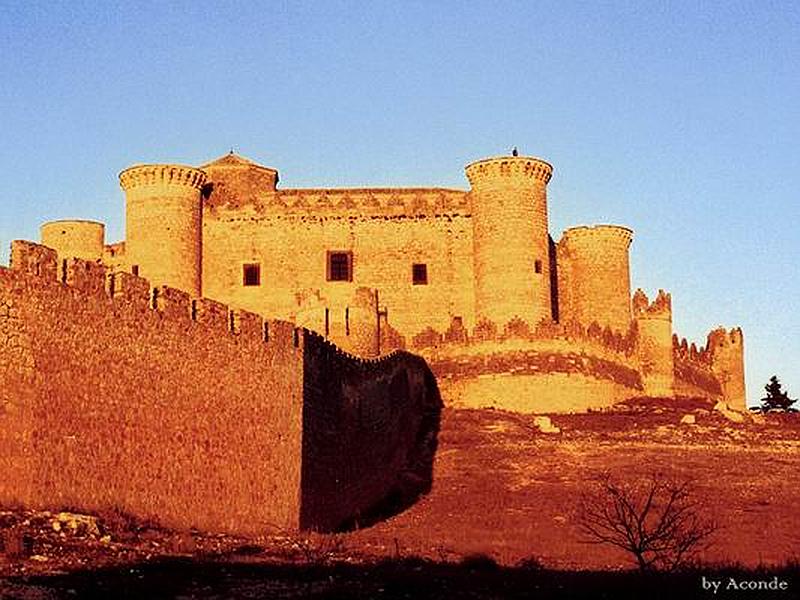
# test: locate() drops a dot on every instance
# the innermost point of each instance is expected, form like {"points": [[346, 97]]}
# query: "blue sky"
{"points": [[678, 120]]}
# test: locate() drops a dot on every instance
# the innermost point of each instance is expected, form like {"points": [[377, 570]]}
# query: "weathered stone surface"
{"points": [[545, 425], [172, 414], [730, 414]]}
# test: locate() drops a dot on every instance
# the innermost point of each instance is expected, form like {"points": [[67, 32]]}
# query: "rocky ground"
{"points": [[499, 522]]}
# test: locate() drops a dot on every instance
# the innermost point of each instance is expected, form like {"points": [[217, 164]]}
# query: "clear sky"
{"points": [[678, 120]]}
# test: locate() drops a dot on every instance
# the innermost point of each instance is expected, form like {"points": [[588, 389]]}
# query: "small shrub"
{"points": [[657, 521]]}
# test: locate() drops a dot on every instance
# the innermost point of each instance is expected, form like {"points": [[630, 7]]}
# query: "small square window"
{"points": [[251, 274], [537, 266], [419, 274], [340, 266]]}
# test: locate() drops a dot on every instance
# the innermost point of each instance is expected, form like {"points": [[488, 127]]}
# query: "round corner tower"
{"points": [[654, 325], [596, 268], [74, 238], [508, 200], [163, 224]]}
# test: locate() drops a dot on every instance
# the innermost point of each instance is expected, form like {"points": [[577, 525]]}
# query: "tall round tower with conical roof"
{"points": [[163, 224], [508, 201]]}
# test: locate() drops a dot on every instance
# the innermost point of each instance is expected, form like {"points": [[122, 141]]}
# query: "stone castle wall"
{"points": [[547, 369], [290, 233], [163, 226], [693, 373], [115, 404], [116, 396]]}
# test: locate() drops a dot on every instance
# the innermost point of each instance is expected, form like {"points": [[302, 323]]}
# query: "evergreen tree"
{"points": [[776, 398]]}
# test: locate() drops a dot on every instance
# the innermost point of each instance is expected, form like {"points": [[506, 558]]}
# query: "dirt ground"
{"points": [[499, 521]]}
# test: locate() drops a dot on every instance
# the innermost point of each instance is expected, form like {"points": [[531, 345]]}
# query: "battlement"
{"points": [[161, 175], [597, 234], [497, 170], [91, 279], [660, 308], [170, 303], [602, 339], [721, 338], [332, 350], [349, 202], [34, 259], [683, 350]]}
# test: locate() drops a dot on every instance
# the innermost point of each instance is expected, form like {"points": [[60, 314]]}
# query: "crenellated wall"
{"points": [[549, 368], [177, 409], [144, 409], [290, 233]]}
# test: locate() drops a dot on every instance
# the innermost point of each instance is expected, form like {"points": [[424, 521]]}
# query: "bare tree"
{"points": [[657, 520]]}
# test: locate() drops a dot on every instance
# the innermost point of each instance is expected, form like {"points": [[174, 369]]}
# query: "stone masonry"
{"points": [[119, 396]]}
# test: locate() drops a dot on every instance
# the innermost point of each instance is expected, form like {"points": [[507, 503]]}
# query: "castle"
{"points": [[471, 280], [246, 342]]}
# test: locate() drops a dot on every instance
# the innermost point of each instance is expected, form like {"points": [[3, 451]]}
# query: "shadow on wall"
{"points": [[369, 436]]}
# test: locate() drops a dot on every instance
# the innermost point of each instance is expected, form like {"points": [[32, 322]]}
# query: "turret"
{"points": [[74, 238], [594, 276], [654, 324], [234, 179], [163, 224], [508, 202], [726, 349]]}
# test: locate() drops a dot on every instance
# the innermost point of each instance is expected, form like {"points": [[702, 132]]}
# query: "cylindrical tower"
{"points": [[596, 260], [654, 324], [75, 238], [510, 242], [727, 363], [163, 224]]}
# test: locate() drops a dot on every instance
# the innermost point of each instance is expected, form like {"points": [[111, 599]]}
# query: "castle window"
{"points": [[419, 274], [340, 266], [135, 270], [251, 274], [537, 266]]}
